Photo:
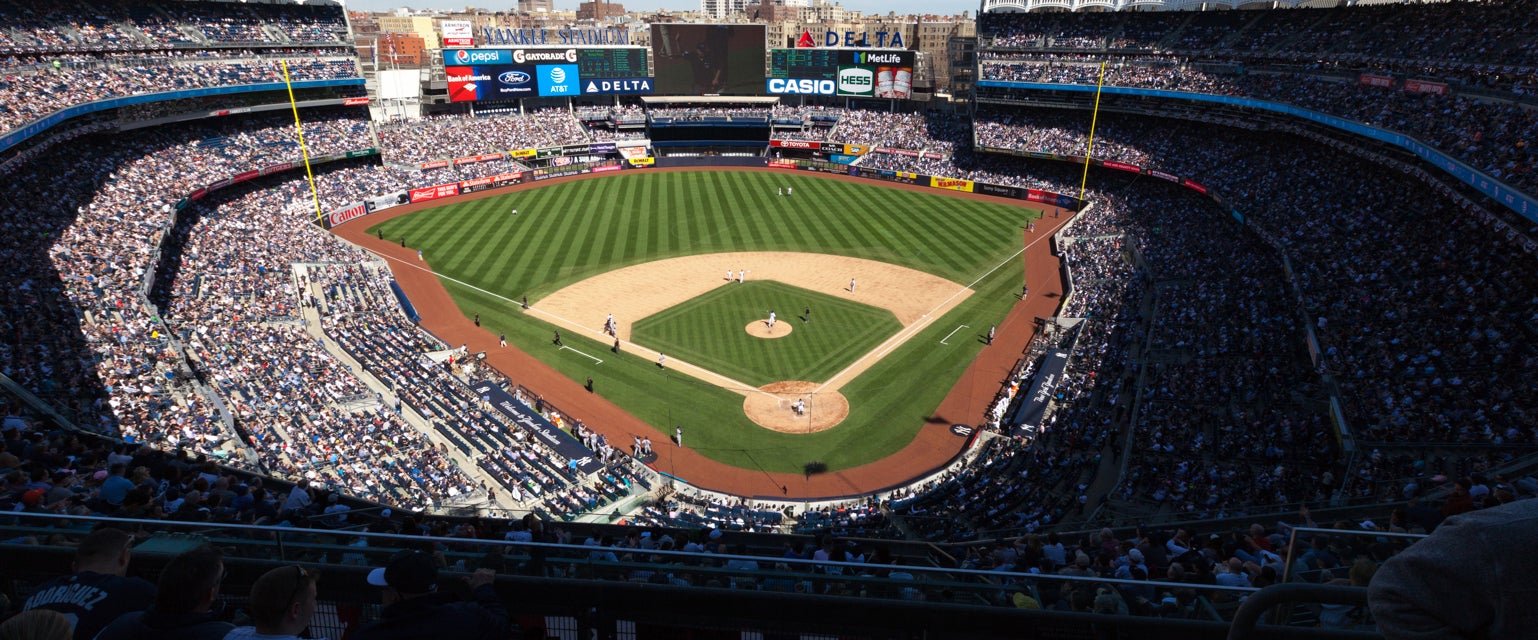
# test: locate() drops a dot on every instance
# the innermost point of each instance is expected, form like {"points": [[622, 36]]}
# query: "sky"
{"points": [[941, 7]]}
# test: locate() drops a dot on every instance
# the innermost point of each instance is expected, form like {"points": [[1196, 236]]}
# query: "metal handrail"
{"points": [[1249, 613]]}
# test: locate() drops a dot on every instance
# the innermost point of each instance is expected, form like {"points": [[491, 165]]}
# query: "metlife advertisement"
{"points": [[506, 74]]}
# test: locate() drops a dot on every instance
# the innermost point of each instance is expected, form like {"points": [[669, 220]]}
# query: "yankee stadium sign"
{"points": [[508, 36]]}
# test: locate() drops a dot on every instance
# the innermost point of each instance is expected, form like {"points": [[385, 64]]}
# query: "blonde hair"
{"points": [[37, 624], [1362, 571]]}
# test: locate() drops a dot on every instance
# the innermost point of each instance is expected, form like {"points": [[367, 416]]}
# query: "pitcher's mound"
{"points": [[775, 409], [760, 329]]}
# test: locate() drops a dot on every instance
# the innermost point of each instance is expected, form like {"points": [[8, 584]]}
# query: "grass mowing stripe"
{"points": [[562, 221], [543, 216], [749, 211], [854, 229], [500, 232], [583, 239]]}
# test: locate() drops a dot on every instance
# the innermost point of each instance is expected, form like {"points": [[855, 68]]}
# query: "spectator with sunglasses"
{"points": [[282, 603]]}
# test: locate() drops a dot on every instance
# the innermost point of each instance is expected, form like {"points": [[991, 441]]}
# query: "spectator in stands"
{"points": [[37, 624], [415, 608], [282, 603], [186, 605], [97, 592], [1471, 578]]}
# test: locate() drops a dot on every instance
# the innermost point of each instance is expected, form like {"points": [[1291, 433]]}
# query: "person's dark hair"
{"points": [[102, 544], [187, 578], [277, 590]]}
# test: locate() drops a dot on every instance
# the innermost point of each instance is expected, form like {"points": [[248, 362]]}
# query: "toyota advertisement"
{"points": [[841, 72], [507, 74]]}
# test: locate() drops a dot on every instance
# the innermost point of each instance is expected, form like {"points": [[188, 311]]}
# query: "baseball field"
{"points": [[902, 286]]}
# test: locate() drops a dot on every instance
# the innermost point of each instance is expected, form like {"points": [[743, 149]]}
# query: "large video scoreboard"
{"points": [[506, 74], [861, 73]]}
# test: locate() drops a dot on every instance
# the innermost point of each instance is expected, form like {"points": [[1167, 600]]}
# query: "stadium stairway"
{"points": [[312, 326]]}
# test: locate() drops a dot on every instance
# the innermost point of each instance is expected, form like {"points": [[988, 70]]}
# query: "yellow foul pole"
{"points": [[303, 150], [1093, 119]]}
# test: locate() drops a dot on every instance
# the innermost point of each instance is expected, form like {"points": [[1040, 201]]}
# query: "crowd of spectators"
{"points": [[30, 95], [1491, 135], [1429, 35], [455, 136], [1396, 388], [66, 26]]}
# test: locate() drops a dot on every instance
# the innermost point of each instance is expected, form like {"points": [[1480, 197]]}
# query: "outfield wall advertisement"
{"points": [[938, 182], [435, 192]]}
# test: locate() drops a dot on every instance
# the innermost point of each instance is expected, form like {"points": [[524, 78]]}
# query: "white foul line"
{"points": [[902, 336], [953, 332], [579, 351]]}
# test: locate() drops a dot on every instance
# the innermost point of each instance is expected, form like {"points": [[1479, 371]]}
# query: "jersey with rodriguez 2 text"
{"points": [[91, 600]]}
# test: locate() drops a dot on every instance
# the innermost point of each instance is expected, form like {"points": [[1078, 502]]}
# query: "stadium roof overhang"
{"points": [[671, 100]]}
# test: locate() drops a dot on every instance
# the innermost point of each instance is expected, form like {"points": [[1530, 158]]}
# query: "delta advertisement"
{"points": [[435, 192], [506, 74]]}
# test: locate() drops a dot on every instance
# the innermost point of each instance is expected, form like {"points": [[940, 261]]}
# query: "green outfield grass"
{"points": [[571, 231], [708, 331]]}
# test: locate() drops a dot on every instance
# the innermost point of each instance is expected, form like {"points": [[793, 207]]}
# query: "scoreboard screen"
{"points": [[612, 63], [820, 64]]}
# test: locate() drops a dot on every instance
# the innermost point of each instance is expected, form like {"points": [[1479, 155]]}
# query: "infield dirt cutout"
{"points": [[632, 293], [761, 329], [775, 408]]}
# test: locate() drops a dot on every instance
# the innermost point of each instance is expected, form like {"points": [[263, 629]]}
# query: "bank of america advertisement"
{"points": [[507, 74]]}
